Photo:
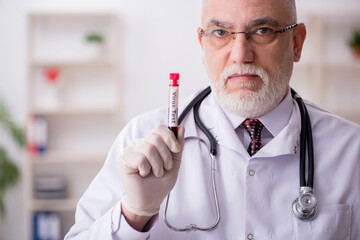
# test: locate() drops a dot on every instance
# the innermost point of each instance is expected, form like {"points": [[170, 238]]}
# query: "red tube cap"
{"points": [[174, 76]]}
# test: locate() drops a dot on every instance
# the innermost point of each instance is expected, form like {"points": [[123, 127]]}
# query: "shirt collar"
{"points": [[274, 121]]}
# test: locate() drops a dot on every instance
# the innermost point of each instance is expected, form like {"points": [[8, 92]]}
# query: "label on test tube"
{"points": [[173, 107], [173, 102]]}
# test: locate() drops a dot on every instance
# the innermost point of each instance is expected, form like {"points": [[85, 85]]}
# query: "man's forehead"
{"points": [[244, 11], [269, 21]]}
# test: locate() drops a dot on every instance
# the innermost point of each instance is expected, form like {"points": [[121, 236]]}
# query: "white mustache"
{"points": [[243, 69]]}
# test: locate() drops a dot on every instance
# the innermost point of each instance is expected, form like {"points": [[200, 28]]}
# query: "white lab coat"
{"points": [[252, 207]]}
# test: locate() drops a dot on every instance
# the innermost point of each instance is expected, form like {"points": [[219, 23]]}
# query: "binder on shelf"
{"points": [[37, 135], [46, 226], [53, 187]]}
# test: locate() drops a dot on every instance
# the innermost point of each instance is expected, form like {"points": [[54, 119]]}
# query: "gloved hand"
{"points": [[149, 169]]}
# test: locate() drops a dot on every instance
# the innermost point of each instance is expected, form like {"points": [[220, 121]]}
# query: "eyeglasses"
{"points": [[263, 35]]}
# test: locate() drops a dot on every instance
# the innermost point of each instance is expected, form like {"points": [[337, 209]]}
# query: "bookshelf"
{"points": [[73, 86]]}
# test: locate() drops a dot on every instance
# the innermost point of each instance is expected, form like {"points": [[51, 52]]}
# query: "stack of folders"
{"points": [[47, 226], [37, 135], [51, 187]]}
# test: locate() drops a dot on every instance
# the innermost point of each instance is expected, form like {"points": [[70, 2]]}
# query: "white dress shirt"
{"points": [[255, 193]]}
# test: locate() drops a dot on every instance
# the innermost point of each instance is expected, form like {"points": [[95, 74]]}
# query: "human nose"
{"points": [[241, 51]]}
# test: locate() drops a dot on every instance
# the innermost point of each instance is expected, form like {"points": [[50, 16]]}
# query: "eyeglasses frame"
{"points": [[248, 34]]}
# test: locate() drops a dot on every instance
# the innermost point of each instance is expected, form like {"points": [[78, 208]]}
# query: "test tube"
{"points": [[173, 103]]}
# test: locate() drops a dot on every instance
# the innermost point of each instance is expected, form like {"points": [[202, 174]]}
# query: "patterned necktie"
{"points": [[253, 127]]}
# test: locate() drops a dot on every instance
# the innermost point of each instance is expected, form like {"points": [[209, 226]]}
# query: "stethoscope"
{"points": [[303, 207]]}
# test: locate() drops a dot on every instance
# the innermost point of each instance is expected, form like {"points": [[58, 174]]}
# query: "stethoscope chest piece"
{"points": [[304, 207]]}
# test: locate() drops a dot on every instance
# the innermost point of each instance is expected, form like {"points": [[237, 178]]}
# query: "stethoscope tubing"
{"points": [[306, 146], [199, 123], [195, 104], [306, 143]]}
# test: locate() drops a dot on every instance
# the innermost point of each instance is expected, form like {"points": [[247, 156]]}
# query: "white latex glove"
{"points": [[149, 169]]}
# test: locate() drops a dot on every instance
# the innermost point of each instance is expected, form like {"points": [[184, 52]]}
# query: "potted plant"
{"points": [[94, 38], [355, 43], [94, 43], [9, 172]]}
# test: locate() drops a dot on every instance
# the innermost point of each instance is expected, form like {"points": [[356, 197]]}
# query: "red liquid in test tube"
{"points": [[173, 102]]}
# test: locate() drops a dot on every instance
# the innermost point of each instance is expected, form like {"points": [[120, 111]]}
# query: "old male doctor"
{"points": [[249, 74]]}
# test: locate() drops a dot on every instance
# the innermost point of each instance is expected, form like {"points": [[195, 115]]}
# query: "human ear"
{"points": [[199, 37], [299, 39], [201, 43]]}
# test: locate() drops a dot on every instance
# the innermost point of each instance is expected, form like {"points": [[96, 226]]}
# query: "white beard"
{"points": [[253, 104]]}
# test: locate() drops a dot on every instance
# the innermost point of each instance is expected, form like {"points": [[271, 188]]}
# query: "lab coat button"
{"points": [[251, 173], [250, 236], [295, 149]]}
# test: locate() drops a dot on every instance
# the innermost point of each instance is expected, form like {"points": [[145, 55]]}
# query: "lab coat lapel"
{"points": [[191, 129], [223, 129], [227, 136], [215, 120], [287, 141]]}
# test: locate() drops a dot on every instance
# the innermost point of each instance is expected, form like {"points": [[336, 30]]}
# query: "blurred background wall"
{"points": [[153, 38]]}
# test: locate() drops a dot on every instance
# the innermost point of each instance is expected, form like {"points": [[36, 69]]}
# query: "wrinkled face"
{"points": [[249, 76]]}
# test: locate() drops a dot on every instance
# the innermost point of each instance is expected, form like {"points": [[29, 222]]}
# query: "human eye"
{"points": [[219, 33], [263, 31]]}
